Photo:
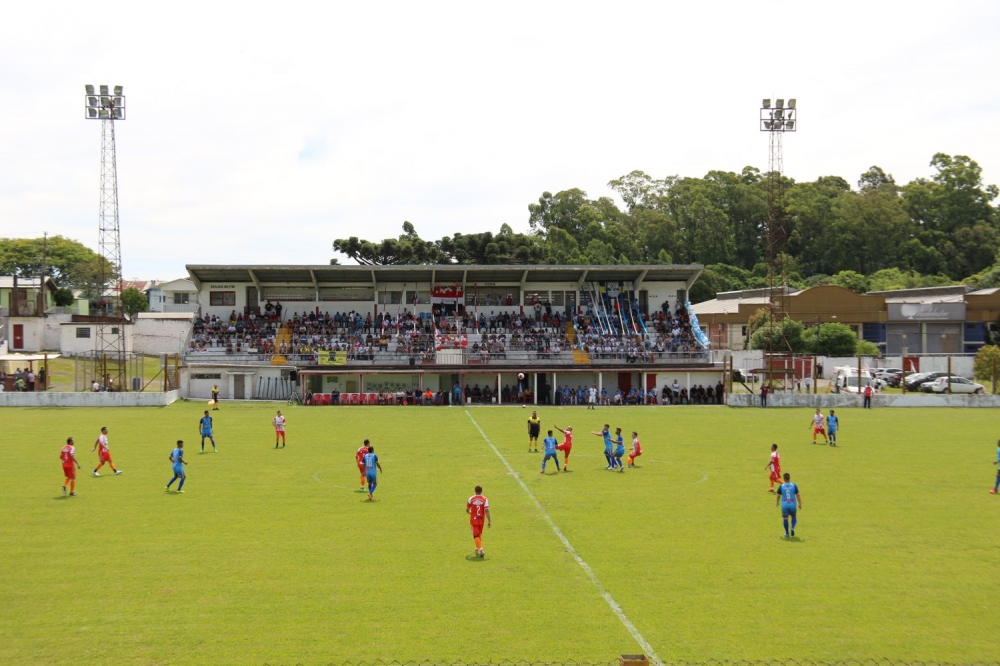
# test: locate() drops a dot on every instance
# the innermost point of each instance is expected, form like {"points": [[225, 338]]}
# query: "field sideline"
{"points": [[275, 557]]}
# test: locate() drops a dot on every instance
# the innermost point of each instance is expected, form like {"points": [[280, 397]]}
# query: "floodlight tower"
{"points": [[776, 121], [110, 348]]}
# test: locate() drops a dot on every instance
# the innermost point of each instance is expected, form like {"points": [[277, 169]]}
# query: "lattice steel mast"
{"points": [[776, 121], [110, 352]]}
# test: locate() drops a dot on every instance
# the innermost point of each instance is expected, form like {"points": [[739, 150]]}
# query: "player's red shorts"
{"points": [[104, 455], [69, 471], [819, 431], [361, 467], [566, 448], [477, 530], [775, 476]]}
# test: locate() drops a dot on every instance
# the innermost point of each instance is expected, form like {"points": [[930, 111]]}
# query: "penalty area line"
{"points": [[615, 608]]}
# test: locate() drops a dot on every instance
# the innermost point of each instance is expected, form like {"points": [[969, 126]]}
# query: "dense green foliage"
{"points": [[134, 301], [274, 557], [931, 231], [789, 335], [987, 362], [71, 264]]}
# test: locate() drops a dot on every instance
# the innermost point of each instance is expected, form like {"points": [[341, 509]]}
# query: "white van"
{"points": [[845, 379]]}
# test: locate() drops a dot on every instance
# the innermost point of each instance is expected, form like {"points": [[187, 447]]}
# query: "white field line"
{"points": [[615, 608]]}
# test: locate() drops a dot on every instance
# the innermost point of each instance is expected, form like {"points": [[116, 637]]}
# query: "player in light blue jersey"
{"points": [[996, 462], [372, 467], [788, 495], [205, 428], [550, 444], [832, 426], [608, 444], [177, 460], [619, 450]]}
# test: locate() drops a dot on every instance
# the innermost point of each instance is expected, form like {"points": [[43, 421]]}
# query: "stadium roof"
{"points": [[442, 274]]}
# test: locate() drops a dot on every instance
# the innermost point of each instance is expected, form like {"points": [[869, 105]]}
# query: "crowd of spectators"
{"points": [[671, 394], [539, 334]]}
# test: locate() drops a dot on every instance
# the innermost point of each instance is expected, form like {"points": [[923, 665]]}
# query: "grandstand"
{"points": [[378, 331]]}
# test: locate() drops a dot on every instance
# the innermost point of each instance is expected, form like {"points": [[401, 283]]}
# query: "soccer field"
{"points": [[273, 556]]}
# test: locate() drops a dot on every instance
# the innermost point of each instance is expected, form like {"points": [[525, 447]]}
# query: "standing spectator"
{"points": [[277, 309], [763, 395], [867, 403], [719, 391], [31, 379], [215, 399]]}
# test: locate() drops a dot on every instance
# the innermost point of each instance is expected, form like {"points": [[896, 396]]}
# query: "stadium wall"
{"points": [[157, 333], [879, 400], [87, 399]]}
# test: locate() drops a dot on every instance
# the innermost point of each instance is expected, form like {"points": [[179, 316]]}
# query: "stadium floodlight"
{"points": [[778, 117], [104, 105]]}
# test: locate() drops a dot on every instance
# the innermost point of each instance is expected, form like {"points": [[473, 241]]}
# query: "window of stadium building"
{"points": [[181, 299], [222, 298], [290, 294], [531, 297], [418, 297], [493, 296], [349, 294]]}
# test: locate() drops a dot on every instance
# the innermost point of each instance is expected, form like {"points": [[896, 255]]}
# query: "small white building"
{"points": [[174, 296]]}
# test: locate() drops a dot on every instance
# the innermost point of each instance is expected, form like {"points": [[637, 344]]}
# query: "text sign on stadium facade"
{"points": [[222, 286], [926, 311]]}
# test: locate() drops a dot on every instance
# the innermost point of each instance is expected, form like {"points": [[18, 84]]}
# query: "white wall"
{"points": [[158, 335], [34, 333], [879, 400], [87, 399], [70, 345]]}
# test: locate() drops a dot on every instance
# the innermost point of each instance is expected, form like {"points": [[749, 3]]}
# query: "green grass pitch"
{"points": [[275, 557]]}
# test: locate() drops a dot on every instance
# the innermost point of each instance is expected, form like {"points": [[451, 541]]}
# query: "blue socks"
{"points": [[180, 486], [795, 520], [997, 486], [785, 521], [371, 487]]}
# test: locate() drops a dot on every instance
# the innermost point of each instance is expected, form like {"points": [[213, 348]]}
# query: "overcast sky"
{"points": [[259, 132]]}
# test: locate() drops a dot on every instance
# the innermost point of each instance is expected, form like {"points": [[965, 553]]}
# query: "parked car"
{"points": [[913, 382], [893, 379], [882, 373], [958, 385], [925, 386]]}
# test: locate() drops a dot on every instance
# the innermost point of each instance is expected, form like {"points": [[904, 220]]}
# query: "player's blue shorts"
{"points": [[370, 478], [831, 431], [788, 509], [178, 469], [620, 451], [554, 456], [607, 450], [206, 433]]}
